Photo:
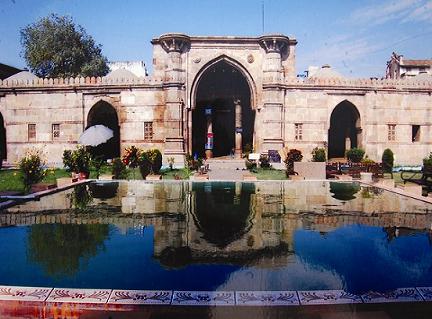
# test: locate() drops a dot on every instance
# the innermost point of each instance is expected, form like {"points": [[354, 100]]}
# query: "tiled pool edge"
{"points": [[47, 295]]}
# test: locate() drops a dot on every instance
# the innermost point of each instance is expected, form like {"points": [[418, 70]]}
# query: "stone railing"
{"points": [[308, 82], [362, 83], [80, 81]]}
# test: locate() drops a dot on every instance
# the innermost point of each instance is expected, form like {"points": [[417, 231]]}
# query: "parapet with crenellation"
{"points": [[371, 84], [79, 81], [342, 83]]}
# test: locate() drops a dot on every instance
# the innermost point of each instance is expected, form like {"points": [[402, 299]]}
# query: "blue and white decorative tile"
{"points": [[397, 295], [24, 293], [426, 293], [140, 297], [267, 298], [203, 298], [79, 295], [327, 297]]}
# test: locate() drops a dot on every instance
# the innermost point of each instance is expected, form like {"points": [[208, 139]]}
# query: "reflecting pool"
{"points": [[275, 235]]}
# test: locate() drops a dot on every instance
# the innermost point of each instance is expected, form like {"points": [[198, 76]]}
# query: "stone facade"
{"points": [[288, 111]]}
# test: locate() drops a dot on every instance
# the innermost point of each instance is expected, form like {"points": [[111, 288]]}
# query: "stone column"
{"points": [[209, 137], [276, 48], [175, 75], [238, 129]]}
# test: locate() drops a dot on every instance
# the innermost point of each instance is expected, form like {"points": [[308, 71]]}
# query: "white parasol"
{"points": [[95, 135]]}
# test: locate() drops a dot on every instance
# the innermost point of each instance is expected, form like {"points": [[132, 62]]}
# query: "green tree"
{"points": [[55, 47]]}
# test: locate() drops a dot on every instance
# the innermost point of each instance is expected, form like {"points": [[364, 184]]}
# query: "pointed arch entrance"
{"points": [[103, 113], [3, 149], [345, 129], [222, 109]]}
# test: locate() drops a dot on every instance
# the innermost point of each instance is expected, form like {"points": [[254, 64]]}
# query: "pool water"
{"points": [[218, 236]]}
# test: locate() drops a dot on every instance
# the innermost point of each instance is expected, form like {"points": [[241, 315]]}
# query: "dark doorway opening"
{"points": [[344, 129], [3, 149], [102, 113], [219, 87]]}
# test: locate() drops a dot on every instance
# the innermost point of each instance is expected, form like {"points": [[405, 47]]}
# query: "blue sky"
{"points": [[354, 37]]}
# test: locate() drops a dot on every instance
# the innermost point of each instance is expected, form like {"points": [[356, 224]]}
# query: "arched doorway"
{"points": [[222, 92], [3, 149], [345, 129], [102, 113]]}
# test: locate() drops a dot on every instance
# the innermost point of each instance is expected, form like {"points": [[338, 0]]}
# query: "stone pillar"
{"points": [[209, 138], [175, 74], [238, 129], [276, 48]]}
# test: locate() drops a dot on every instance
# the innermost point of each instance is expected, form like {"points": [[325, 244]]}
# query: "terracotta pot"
{"points": [[208, 154]]}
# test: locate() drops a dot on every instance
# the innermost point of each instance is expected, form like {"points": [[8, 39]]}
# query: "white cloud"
{"points": [[402, 10]]}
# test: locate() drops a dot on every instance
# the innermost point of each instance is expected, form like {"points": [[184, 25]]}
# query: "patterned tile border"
{"points": [[327, 297], [426, 293], [209, 298], [397, 295], [140, 297], [203, 298], [267, 298], [24, 293], [79, 295]]}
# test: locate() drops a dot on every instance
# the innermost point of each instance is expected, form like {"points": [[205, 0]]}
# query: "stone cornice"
{"points": [[274, 43], [173, 42]]}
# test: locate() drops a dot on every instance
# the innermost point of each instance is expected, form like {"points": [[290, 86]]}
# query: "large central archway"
{"points": [[223, 89], [102, 113], [345, 129]]}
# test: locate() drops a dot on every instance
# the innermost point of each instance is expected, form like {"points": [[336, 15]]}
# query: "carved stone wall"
{"points": [[279, 99]]}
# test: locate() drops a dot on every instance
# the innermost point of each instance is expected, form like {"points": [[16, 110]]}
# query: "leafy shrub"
{"points": [[154, 156], [97, 162], [367, 161], [78, 160], [131, 156], [67, 161], [250, 165], [264, 161], [319, 154], [387, 160], [355, 154], [118, 169], [31, 167], [193, 164], [428, 160], [292, 156]]}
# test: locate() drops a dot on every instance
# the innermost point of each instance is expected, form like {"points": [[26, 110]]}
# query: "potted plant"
{"points": [[355, 155], [150, 163], [427, 165], [387, 160], [292, 156], [319, 154], [118, 169], [78, 161], [31, 167]]}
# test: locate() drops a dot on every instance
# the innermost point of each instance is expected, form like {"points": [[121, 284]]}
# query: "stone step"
{"points": [[233, 164], [226, 174]]}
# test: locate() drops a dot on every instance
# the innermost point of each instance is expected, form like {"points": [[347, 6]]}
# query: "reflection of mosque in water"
{"points": [[231, 222]]}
